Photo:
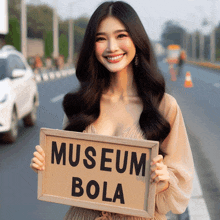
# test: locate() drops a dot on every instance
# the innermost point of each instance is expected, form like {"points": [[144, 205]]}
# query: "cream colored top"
{"points": [[179, 161]]}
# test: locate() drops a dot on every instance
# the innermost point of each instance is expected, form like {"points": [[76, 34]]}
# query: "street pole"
{"points": [[71, 35], [194, 46], [71, 40], [23, 29], [201, 44], [187, 44], [55, 33], [212, 45], [212, 37], [183, 40]]}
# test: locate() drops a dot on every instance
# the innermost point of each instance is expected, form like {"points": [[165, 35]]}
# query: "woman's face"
{"points": [[114, 47]]}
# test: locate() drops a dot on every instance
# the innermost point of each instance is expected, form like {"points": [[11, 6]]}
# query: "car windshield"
{"points": [[2, 68]]}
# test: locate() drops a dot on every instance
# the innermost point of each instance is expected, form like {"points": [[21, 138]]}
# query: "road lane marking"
{"points": [[57, 98]]}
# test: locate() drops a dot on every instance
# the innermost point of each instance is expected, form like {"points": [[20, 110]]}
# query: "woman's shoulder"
{"points": [[168, 101], [168, 104]]}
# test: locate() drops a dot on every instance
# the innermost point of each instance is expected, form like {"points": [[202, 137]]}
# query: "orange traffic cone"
{"points": [[188, 80], [172, 73]]}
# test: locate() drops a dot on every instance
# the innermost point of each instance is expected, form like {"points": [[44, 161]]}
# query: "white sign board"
{"points": [[3, 16]]}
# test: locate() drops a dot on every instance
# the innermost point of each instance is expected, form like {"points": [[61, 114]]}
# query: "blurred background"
{"points": [[192, 24], [46, 36]]}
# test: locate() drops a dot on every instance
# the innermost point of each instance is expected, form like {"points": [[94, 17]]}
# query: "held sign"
{"points": [[98, 172]]}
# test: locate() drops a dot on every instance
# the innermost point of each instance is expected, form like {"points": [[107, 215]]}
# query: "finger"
{"points": [[161, 178], [40, 150], [157, 159], [157, 166], [36, 166], [36, 161], [39, 156], [156, 173], [160, 175]]}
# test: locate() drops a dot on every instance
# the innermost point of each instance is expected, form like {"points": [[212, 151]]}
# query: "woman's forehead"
{"points": [[110, 25]]}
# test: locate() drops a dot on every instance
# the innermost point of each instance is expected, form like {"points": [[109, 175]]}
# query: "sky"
{"points": [[153, 13]]}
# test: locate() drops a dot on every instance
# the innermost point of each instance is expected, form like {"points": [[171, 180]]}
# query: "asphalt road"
{"points": [[18, 183], [200, 106]]}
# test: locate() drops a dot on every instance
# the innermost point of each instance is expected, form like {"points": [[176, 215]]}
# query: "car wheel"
{"points": [[12, 134], [31, 118]]}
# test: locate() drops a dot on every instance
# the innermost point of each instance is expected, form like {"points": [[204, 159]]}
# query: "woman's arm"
{"points": [[178, 160]]}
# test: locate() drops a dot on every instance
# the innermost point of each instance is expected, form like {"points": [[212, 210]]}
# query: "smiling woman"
{"points": [[114, 46], [122, 93]]}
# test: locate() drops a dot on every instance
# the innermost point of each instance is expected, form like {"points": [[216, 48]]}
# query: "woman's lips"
{"points": [[115, 59]]}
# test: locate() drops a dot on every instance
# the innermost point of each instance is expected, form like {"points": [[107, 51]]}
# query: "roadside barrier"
{"points": [[205, 64], [52, 75]]}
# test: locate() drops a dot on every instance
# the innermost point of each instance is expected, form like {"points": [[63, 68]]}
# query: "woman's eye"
{"points": [[122, 35], [100, 39]]}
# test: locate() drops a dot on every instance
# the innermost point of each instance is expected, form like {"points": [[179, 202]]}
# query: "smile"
{"points": [[115, 59]]}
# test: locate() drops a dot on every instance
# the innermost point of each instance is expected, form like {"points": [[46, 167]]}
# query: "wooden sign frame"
{"points": [[48, 188]]}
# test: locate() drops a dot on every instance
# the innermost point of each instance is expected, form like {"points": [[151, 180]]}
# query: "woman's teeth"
{"points": [[115, 58]]}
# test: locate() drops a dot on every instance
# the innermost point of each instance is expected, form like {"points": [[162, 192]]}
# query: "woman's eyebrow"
{"points": [[115, 32]]}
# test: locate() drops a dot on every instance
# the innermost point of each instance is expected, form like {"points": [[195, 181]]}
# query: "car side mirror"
{"points": [[17, 73]]}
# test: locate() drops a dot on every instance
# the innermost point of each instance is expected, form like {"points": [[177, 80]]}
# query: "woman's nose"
{"points": [[112, 45]]}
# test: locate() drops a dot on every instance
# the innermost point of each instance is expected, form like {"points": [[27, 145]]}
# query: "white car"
{"points": [[18, 93]]}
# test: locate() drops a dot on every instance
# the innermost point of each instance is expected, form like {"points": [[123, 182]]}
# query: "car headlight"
{"points": [[3, 98]]}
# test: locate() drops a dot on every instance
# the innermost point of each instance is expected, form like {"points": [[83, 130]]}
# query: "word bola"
{"points": [[78, 191]]}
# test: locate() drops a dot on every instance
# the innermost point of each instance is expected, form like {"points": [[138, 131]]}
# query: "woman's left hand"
{"points": [[159, 173]]}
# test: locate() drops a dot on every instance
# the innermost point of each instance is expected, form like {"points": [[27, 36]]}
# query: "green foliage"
{"points": [[48, 44], [39, 20], [14, 36], [14, 8], [78, 37], [172, 33], [218, 54], [82, 22], [80, 25], [63, 46], [40, 25], [217, 37]]}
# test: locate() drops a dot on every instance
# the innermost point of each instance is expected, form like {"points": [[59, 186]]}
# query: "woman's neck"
{"points": [[122, 84]]}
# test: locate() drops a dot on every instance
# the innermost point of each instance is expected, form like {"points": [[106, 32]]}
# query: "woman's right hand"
{"points": [[38, 161]]}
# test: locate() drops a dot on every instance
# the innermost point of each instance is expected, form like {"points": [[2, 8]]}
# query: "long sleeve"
{"points": [[179, 161]]}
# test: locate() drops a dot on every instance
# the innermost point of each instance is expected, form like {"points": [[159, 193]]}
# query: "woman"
{"points": [[122, 93]]}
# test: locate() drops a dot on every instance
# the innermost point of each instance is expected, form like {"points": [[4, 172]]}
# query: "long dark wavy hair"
{"points": [[83, 106]]}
